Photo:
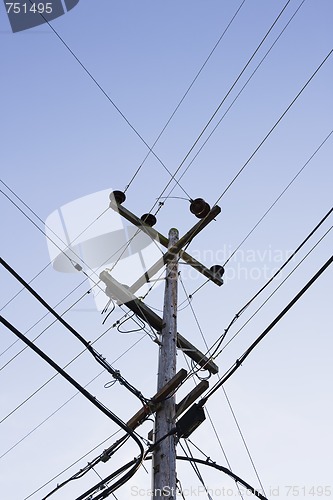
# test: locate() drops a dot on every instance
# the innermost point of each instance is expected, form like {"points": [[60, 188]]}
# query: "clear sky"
{"points": [[62, 139]]}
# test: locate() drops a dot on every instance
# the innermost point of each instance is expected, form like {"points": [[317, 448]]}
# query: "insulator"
{"points": [[217, 270], [117, 196], [199, 208], [149, 219]]}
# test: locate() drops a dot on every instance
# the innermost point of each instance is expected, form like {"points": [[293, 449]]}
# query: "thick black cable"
{"points": [[238, 479], [249, 302], [107, 479], [105, 456], [98, 357], [243, 357], [86, 394], [271, 295], [74, 383]]}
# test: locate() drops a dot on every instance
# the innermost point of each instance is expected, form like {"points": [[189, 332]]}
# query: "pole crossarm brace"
{"points": [[155, 235], [163, 393], [117, 291]]}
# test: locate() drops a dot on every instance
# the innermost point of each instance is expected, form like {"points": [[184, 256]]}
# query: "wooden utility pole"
{"points": [[164, 454]]}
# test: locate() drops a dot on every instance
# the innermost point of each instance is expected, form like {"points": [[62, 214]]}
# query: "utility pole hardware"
{"points": [[163, 404]]}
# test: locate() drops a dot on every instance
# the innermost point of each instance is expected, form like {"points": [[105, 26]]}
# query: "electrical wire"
{"points": [[184, 96], [236, 97], [40, 334], [275, 125], [222, 102], [210, 463], [267, 211], [68, 244], [227, 398], [112, 102], [295, 252], [216, 111], [86, 394], [221, 338], [72, 465], [271, 295], [69, 363], [46, 314], [191, 374], [105, 456], [195, 468], [125, 246], [248, 351], [97, 356]]}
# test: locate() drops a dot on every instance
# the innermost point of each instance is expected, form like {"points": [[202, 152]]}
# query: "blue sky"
{"points": [[62, 139]]}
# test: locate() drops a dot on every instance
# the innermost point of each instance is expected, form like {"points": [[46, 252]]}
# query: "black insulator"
{"points": [[149, 219], [117, 196], [199, 208], [217, 270]]}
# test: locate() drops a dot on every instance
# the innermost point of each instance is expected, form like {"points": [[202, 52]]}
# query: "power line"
{"points": [[99, 86], [70, 362], [280, 195], [191, 374], [86, 394], [275, 125], [219, 341], [238, 479], [98, 357], [72, 465], [237, 96], [195, 468], [184, 96], [269, 208], [270, 296], [295, 252], [222, 102], [243, 357], [227, 398]]}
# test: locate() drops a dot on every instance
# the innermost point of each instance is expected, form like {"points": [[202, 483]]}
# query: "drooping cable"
{"points": [[72, 465], [238, 479]]}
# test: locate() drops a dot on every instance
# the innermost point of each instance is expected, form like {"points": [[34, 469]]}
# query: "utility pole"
{"points": [[164, 454], [167, 431]]}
